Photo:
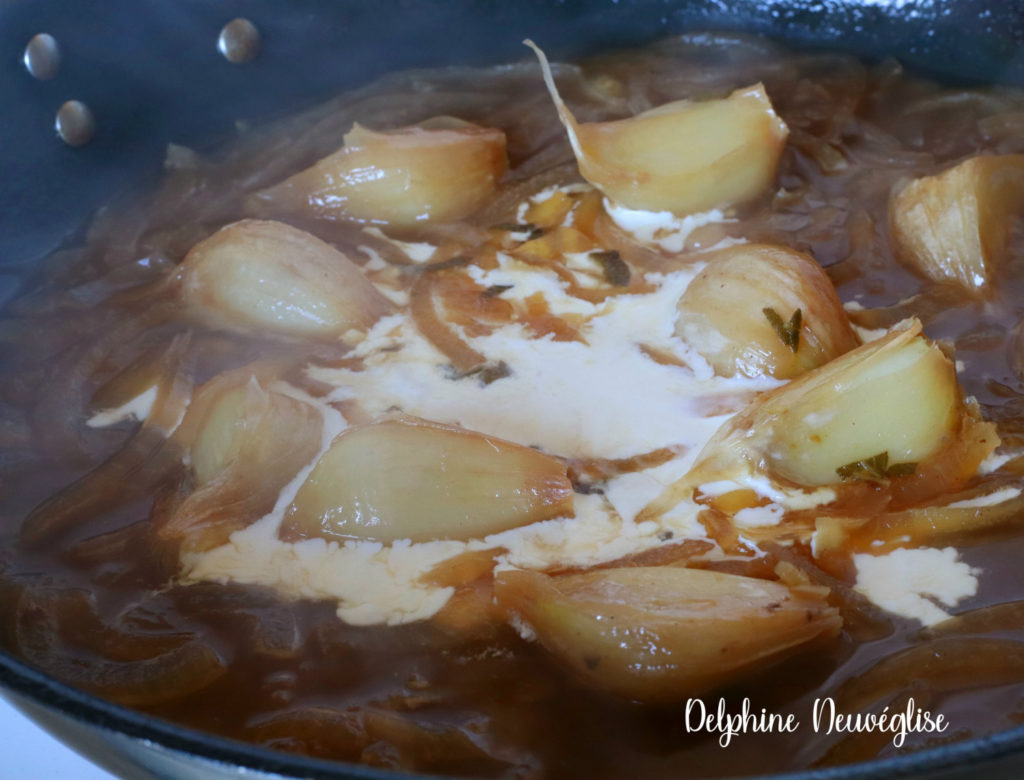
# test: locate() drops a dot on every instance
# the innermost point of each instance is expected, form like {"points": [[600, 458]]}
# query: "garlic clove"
{"points": [[408, 478], [268, 277], [664, 633], [684, 157], [441, 170], [954, 226], [726, 313]]}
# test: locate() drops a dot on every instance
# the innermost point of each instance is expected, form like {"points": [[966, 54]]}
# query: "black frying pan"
{"points": [[151, 73]]}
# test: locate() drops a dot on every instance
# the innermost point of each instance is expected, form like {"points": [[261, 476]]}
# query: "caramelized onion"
{"points": [[171, 667], [682, 157], [725, 313], [438, 171], [132, 472], [664, 633], [896, 395], [408, 478], [268, 277], [954, 226], [942, 664], [245, 442]]}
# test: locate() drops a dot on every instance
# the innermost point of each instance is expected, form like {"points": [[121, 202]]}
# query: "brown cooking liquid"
{"points": [[87, 604]]}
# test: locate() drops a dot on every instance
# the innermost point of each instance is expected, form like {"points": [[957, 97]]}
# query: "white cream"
{"points": [[759, 516], [547, 192], [138, 408], [787, 498], [987, 499], [527, 280], [867, 335], [662, 228], [605, 398], [910, 582], [416, 251], [995, 461]]}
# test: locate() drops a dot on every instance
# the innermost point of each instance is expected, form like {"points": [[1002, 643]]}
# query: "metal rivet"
{"points": [[42, 57], [239, 41], [75, 124]]}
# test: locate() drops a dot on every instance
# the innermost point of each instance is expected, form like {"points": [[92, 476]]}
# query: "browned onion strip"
{"points": [[131, 473], [62, 398], [926, 525], [1008, 616], [45, 633], [600, 469], [591, 294], [942, 664], [671, 553], [861, 618], [423, 305], [644, 258], [379, 737]]}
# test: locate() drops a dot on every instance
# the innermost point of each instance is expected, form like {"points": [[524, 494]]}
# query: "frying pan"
{"points": [[151, 73]]}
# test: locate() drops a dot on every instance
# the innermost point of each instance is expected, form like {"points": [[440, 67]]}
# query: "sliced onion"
{"points": [[943, 664]]}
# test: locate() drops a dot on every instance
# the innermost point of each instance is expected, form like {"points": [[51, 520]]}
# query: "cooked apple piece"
{"points": [[245, 442], [438, 171], [408, 478], [664, 633], [954, 226], [875, 413], [268, 277], [684, 157], [760, 310]]}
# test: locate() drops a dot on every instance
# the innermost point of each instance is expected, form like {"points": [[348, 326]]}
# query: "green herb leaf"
{"points": [[875, 469], [515, 227], [901, 470], [495, 290], [788, 332], [484, 373], [452, 262], [531, 230], [616, 272]]}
